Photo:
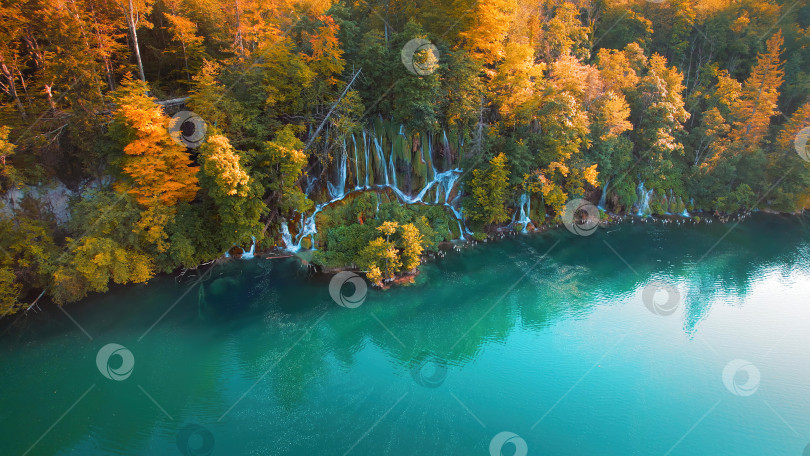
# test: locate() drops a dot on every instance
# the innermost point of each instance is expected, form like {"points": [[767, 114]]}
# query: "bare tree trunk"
{"points": [[49, 92], [183, 44], [11, 87], [314, 135], [132, 22]]}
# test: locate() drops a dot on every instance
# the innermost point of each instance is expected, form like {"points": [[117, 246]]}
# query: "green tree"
{"points": [[278, 167]]}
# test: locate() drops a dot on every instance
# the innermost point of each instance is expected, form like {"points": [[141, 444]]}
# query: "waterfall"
{"points": [[245, 255], [385, 169], [287, 237], [381, 159], [338, 190], [445, 182], [446, 143], [460, 231], [670, 203], [356, 164], [603, 198], [393, 168], [643, 200], [310, 183], [525, 210], [365, 151], [249, 254], [458, 211]]}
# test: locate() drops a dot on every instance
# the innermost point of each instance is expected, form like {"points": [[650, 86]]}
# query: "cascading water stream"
{"points": [[644, 200], [381, 159], [443, 183], [603, 198], [249, 254], [285, 235], [356, 163], [245, 255], [525, 210], [365, 151], [338, 189]]}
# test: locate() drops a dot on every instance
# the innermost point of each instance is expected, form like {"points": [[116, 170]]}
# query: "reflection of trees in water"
{"points": [[451, 311], [751, 250], [429, 317], [261, 308], [246, 287]]}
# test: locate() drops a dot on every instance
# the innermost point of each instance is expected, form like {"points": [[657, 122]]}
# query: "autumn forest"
{"points": [[363, 134]]}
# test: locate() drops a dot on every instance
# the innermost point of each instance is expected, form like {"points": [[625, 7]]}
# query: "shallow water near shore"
{"points": [[545, 336]]}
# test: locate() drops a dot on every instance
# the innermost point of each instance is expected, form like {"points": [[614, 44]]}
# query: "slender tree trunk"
{"points": [[131, 23], [183, 44], [49, 92], [11, 88], [239, 42], [185, 58], [385, 22]]}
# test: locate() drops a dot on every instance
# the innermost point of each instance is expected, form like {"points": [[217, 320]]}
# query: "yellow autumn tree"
{"points": [[222, 164], [388, 228], [412, 247], [7, 148], [490, 25], [380, 259]]}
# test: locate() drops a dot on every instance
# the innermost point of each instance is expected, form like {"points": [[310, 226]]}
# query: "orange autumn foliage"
{"points": [[160, 168]]}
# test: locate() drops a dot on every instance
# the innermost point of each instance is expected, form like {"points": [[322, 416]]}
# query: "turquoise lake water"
{"points": [[543, 344]]}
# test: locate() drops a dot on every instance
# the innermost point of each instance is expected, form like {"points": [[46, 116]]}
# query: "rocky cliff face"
{"points": [[53, 198]]}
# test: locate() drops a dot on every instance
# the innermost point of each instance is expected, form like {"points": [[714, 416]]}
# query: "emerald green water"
{"points": [[560, 350]]}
